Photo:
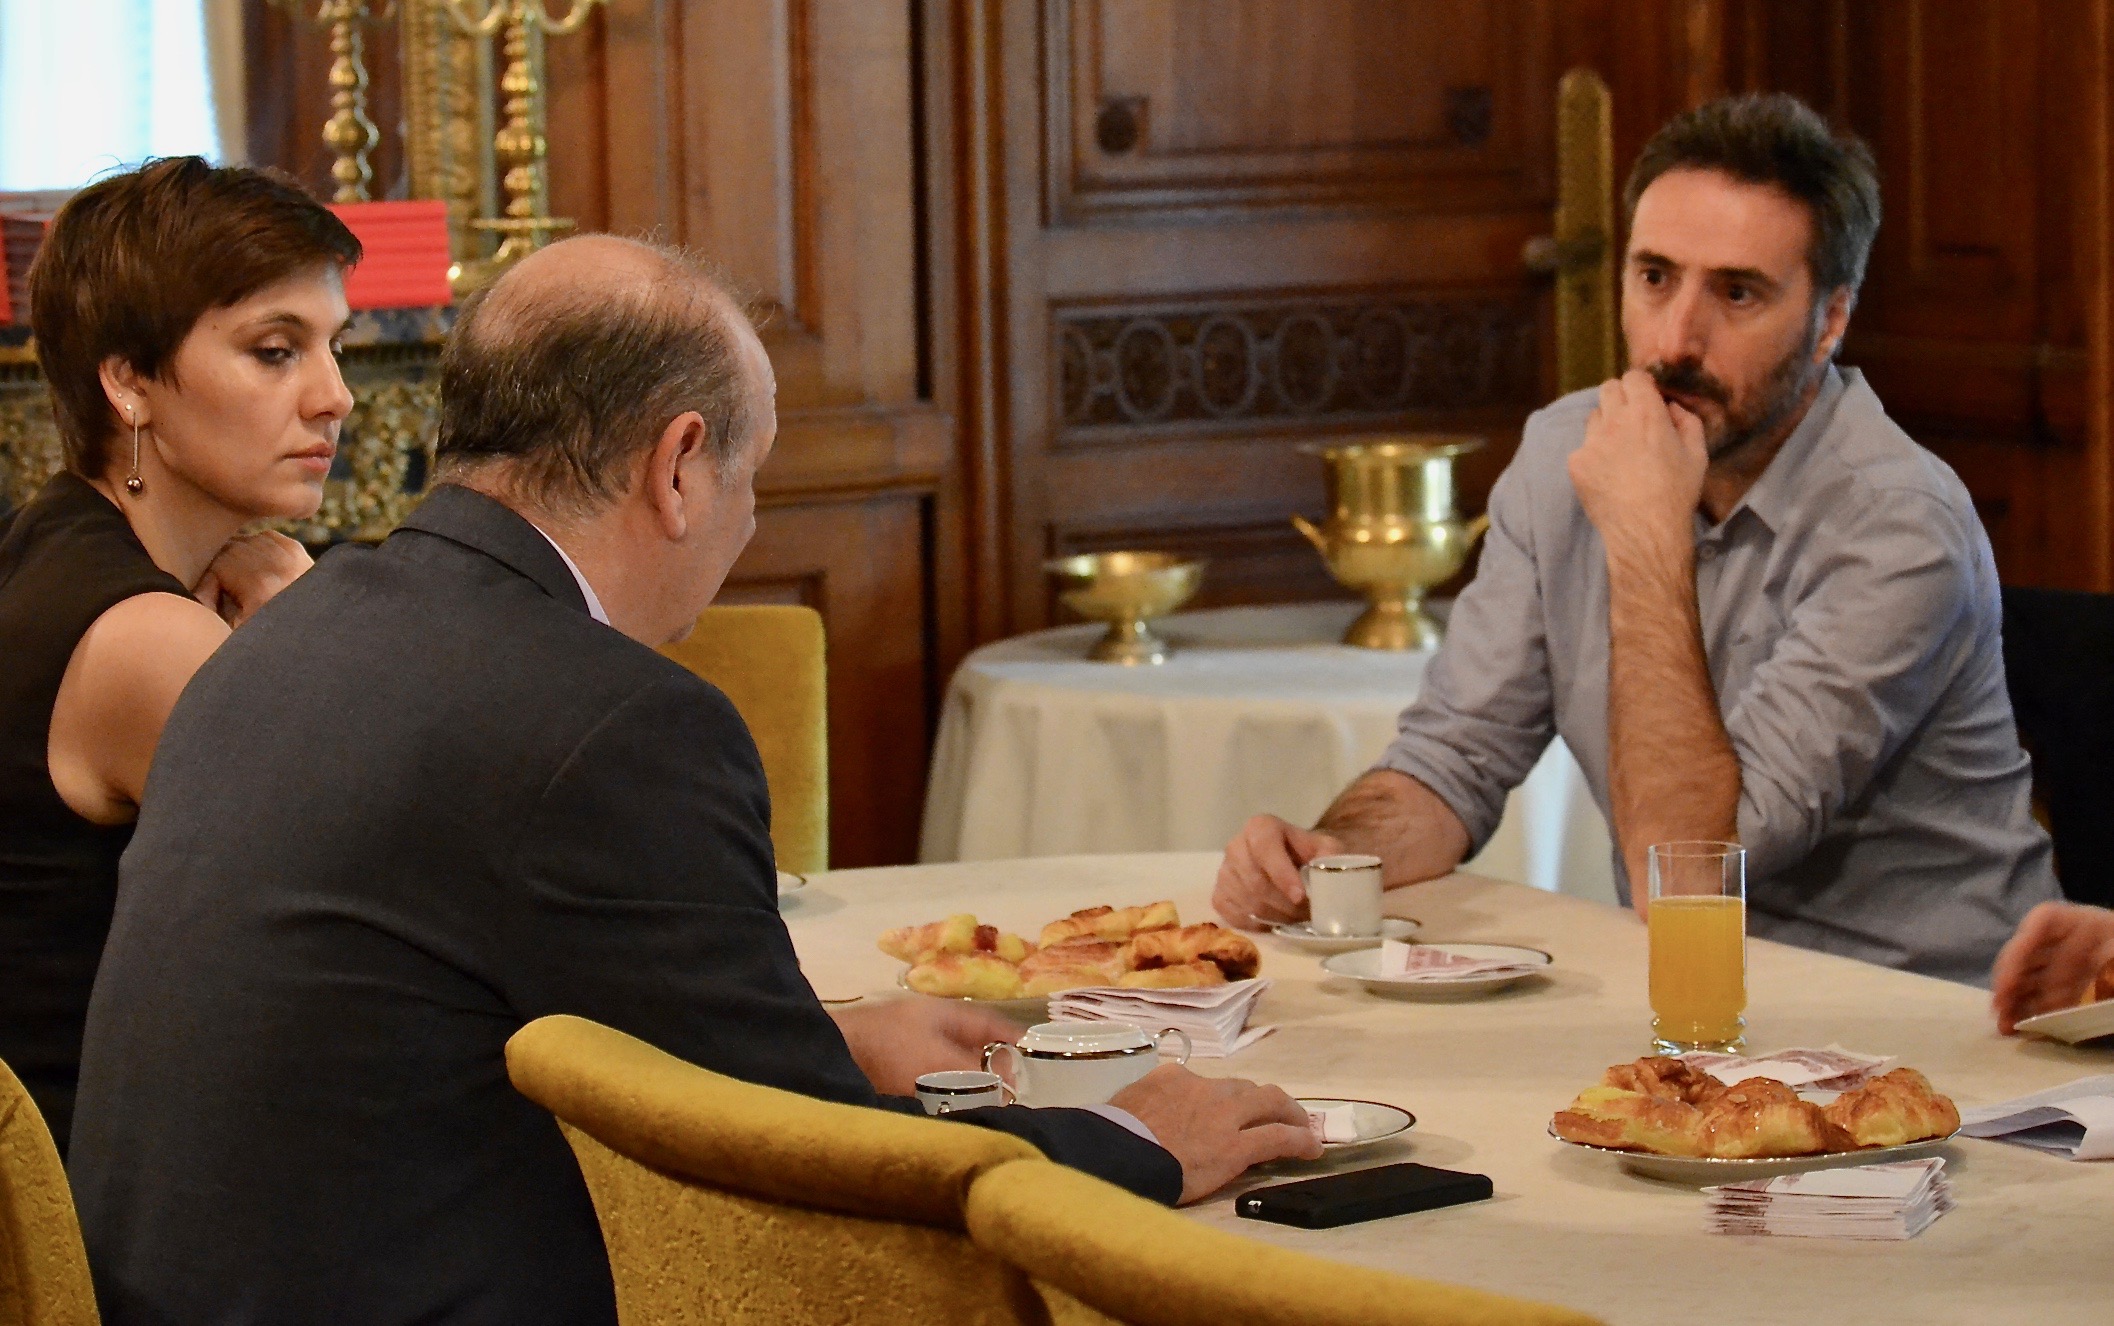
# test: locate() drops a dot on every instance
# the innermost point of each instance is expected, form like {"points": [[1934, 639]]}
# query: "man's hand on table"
{"points": [[2051, 961], [1217, 1127], [896, 1041], [1258, 881]]}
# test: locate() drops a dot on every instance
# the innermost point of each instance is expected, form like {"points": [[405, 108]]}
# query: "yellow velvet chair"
{"points": [[768, 658], [1098, 1255], [726, 1202], [43, 1267]]}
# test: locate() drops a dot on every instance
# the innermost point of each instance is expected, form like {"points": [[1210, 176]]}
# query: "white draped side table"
{"points": [[1042, 753]]}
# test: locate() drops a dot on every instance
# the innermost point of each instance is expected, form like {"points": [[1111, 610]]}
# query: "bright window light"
{"points": [[90, 86]]}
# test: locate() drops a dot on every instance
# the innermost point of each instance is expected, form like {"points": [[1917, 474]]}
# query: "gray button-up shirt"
{"points": [[1850, 616]]}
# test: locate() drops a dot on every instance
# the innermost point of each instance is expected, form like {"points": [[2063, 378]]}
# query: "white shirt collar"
{"points": [[587, 591]]}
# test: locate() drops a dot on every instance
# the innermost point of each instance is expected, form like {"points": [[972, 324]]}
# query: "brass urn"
{"points": [[1393, 531]]}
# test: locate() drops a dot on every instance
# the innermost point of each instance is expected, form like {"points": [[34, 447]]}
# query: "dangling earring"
{"points": [[133, 483]]}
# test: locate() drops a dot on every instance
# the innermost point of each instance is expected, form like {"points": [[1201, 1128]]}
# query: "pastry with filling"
{"points": [[916, 944], [1072, 965], [966, 976], [1893, 1110], [1181, 976], [1235, 955], [1110, 923]]}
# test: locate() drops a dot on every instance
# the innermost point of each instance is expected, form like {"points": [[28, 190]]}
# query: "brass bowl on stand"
{"points": [[1393, 531], [1126, 590]]}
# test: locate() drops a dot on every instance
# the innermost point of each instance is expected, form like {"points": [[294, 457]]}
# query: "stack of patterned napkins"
{"points": [[1896, 1201], [1421, 962], [1214, 1017]]}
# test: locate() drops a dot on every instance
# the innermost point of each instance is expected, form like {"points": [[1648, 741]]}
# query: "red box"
{"points": [[407, 258]]}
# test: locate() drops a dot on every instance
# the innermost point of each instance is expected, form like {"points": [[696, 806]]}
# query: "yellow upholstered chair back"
{"points": [[768, 658], [1099, 1255], [722, 1201], [43, 1268]]}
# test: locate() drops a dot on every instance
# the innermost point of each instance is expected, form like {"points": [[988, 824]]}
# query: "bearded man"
{"points": [[1754, 609]]}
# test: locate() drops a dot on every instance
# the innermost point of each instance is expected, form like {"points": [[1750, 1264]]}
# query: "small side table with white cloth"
{"points": [[1043, 753]]}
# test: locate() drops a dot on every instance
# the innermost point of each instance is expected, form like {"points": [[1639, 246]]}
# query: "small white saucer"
{"points": [[2083, 1023], [1375, 1122], [1363, 966], [788, 882], [1301, 934]]}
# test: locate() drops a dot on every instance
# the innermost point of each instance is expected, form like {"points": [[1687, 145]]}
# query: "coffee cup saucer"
{"points": [[1302, 934]]}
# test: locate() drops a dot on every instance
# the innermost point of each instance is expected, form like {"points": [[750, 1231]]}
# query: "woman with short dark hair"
{"points": [[186, 318]]}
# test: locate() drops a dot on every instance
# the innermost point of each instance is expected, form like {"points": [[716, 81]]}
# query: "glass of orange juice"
{"points": [[1697, 919]]}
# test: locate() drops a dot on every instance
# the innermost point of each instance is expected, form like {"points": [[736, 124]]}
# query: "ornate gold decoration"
{"points": [[348, 133], [1393, 531], [525, 224], [448, 123]]}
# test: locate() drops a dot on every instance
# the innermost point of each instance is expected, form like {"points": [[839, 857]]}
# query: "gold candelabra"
{"points": [[525, 224], [348, 133]]}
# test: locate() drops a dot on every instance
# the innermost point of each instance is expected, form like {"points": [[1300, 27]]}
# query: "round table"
{"points": [[1043, 753], [2028, 1242]]}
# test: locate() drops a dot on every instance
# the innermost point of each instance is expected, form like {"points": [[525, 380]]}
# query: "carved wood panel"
{"points": [[1180, 104], [1334, 358]]}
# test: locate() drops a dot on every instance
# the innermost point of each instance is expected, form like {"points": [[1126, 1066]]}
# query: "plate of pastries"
{"points": [[1144, 947], [1666, 1119]]}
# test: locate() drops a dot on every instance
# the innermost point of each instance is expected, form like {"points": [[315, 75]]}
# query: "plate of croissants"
{"points": [[1144, 947], [1666, 1119]]}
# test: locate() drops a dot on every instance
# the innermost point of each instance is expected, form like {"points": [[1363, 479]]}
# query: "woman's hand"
{"points": [[246, 574]]}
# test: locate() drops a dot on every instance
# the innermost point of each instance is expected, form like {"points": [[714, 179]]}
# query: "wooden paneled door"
{"points": [[1175, 240], [1983, 323]]}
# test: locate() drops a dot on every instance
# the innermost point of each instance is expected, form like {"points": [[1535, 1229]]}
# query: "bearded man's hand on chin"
{"points": [[1640, 472]]}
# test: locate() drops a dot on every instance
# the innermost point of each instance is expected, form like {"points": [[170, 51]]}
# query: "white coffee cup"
{"points": [[1081, 1063], [962, 1089], [1343, 894]]}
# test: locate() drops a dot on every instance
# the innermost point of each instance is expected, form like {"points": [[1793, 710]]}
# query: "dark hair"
{"points": [[571, 390], [1776, 139], [133, 261]]}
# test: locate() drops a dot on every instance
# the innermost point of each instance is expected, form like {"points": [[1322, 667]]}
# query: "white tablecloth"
{"points": [[2029, 1242], [1043, 753]]}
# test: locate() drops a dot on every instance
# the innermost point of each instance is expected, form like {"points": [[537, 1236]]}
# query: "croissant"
{"points": [[1631, 1121], [1234, 954], [1072, 965], [1179, 976], [1760, 1117], [966, 976], [1110, 923], [1665, 1078], [1894, 1109]]}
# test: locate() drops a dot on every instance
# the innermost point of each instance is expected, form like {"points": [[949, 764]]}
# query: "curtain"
{"points": [[229, 88], [88, 86]]}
